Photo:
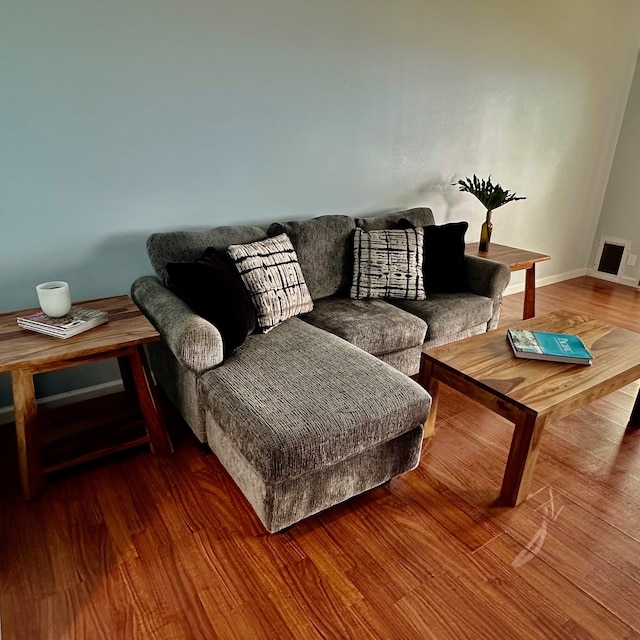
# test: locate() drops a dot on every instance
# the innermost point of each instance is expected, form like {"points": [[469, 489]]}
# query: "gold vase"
{"points": [[485, 233]]}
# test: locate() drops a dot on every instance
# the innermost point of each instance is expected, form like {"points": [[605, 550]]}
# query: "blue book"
{"points": [[555, 347]]}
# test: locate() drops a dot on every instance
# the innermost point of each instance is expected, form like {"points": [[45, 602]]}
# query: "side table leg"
{"points": [[26, 417], [529, 310], [522, 459], [126, 374], [634, 418], [158, 435]]}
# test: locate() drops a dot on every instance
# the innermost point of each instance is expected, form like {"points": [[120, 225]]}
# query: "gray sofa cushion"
{"points": [[418, 217], [186, 246], [447, 314], [374, 325], [324, 246], [288, 418]]}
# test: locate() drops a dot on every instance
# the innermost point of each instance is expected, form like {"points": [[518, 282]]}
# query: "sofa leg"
{"points": [[205, 449]]}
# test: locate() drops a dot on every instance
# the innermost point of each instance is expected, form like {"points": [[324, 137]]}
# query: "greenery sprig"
{"points": [[490, 195]]}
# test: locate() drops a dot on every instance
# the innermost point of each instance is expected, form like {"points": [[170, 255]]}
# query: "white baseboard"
{"points": [[77, 395], [541, 282], [629, 282], [625, 280]]}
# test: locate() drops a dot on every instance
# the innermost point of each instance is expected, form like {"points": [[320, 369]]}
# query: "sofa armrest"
{"points": [[490, 279], [194, 341]]}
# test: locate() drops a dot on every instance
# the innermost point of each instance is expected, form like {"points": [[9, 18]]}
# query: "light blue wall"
{"points": [[123, 117]]}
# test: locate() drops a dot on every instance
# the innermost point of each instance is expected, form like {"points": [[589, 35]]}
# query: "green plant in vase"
{"points": [[491, 196]]}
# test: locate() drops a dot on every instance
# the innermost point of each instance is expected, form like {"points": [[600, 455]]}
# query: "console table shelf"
{"points": [[79, 433]]}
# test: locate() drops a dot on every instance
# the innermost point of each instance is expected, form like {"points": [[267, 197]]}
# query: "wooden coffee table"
{"points": [[25, 353], [530, 392]]}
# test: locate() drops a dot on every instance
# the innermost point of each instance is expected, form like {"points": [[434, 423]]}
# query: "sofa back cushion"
{"points": [[187, 246], [324, 246], [419, 217]]}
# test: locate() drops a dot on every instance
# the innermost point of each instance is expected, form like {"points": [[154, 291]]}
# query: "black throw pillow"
{"points": [[212, 287], [443, 264]]}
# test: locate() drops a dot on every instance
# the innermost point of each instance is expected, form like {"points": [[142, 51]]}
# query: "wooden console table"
{"points": [[516, 260], [25, 353]]}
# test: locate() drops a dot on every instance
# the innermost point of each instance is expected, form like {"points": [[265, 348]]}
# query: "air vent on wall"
{"points": [[610, 258]]}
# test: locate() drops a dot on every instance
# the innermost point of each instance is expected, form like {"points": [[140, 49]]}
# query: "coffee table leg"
{"points": [[26, 417], [522, 458], [433, 389], [158, 435], [430, 424]]}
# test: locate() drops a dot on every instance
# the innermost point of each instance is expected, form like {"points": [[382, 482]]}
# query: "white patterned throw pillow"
{"points": [[388, 264], [271, 273]]}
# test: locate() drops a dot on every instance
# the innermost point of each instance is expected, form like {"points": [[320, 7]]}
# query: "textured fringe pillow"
{"points": [[272, 275], [388, 264]]}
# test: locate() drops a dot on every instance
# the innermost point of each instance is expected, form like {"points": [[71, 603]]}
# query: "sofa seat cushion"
{"points": [[298, 399], [449, 313], [374, 325]]}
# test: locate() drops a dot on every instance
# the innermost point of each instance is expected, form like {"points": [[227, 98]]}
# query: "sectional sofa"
{"points": [[321, 406]]}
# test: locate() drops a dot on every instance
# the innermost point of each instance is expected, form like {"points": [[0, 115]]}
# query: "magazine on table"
{"points": [[78, 319], [554, 347]]}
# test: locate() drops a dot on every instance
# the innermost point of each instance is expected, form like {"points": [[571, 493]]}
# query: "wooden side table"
{"points": [[25, 353], [516, 260]]}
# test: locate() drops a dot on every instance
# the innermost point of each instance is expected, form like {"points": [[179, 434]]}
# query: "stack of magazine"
{"points": [[79, 319]]}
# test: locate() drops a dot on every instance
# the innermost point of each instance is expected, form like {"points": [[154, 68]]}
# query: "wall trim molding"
{"points": [[629, 282], [625, 280], [77, 395], [541, 282]]}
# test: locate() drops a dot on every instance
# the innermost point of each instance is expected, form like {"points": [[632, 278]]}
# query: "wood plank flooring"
{"points": [[145, 547]]}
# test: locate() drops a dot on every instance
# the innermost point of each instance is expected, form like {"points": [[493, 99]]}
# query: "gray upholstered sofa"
{"points": [[320, 408]]}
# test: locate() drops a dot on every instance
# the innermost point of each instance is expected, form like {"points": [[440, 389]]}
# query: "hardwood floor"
{"points": [[142, 546]]}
